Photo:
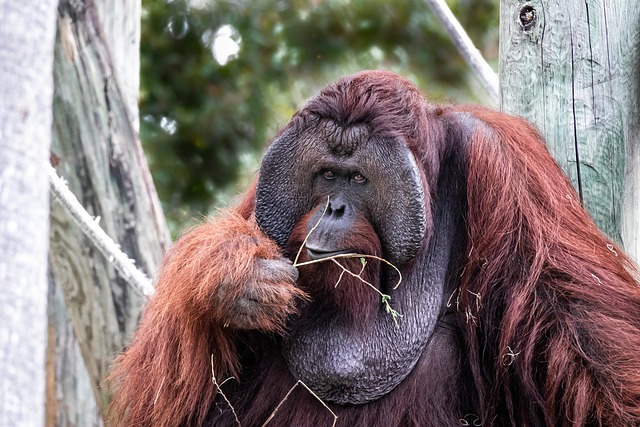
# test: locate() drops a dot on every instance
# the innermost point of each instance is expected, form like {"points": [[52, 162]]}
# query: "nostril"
{"points": [[336, 209]]}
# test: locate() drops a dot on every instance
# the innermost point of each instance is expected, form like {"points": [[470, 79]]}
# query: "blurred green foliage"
{"points": [[205, 121]]}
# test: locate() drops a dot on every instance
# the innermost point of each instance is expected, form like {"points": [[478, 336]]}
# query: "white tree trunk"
{"points": [[26, 89]]}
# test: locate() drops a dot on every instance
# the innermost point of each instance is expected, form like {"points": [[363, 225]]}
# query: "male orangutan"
{"points": [[479, 292]]}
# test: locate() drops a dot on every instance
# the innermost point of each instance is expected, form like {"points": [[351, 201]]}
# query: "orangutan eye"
{"points": [[358, 178], [329, 174]]}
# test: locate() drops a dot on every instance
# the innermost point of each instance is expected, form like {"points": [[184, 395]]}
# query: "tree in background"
{"points": [[219, 78]]}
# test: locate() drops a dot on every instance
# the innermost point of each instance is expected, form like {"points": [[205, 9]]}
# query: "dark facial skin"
{"points": [[373, 178], [342, 182], [332, 223]]}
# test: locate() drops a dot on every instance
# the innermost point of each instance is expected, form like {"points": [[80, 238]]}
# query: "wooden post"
{"points": [[572, 67], [96, 149]]}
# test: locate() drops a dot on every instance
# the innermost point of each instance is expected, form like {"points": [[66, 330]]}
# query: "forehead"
{"points": [[329, 144], [342, 140]]}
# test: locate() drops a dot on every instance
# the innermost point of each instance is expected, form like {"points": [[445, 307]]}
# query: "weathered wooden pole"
{"points": [[96, 150], [572, 67]]}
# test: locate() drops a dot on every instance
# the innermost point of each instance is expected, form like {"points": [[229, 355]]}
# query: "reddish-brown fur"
{"points": [[350, 297], [554, 290], [165, 376], [547, 324]]}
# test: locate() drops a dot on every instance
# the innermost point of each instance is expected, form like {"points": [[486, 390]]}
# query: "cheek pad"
{"points": [[285, 184]]}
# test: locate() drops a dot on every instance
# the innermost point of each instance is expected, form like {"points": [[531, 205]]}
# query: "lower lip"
{"points": [[321, 255]]}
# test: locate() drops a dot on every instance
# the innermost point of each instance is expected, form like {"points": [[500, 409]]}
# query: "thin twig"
{"points": [[224, 396], [299, 382], [510, 357], [353, 255], [384, 297], [339, 278], [158, 392], [304, 242]]}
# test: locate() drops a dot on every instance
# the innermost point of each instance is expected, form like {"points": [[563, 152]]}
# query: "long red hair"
{"points": [[546, 309], [549, 304]]}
